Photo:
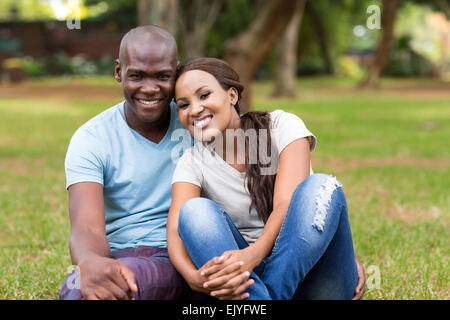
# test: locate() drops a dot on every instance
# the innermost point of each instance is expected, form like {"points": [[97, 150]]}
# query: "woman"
{"points": [[237, 228]]}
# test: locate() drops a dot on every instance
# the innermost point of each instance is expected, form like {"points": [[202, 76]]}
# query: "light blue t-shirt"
{"points": [[135, 173]]}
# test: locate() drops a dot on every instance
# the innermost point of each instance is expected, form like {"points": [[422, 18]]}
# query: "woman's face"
{"points": [[204, 107]]}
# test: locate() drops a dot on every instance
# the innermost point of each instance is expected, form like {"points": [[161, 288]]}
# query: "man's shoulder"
{"points": [[97, 131], [104, 119]]}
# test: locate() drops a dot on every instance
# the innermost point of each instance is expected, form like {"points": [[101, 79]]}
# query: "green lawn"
{"points": [[389, 148]]}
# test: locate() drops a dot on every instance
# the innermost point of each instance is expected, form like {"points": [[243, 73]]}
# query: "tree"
{"points": [[384, 47], [246, 51], [322, 37], [197, 19], [159, 12], [286, 58]]}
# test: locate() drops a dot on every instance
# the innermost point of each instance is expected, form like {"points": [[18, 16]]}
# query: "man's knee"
{"points": [[70, 289], [156, 278]]}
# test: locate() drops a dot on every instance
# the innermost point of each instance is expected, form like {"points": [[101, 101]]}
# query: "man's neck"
{"points": [[153, 131]]}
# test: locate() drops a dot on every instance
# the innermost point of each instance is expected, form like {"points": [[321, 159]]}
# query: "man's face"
{"points": [[147, 74]]}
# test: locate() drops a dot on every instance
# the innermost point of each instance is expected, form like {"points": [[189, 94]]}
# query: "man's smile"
{"points": [[147, 102]]}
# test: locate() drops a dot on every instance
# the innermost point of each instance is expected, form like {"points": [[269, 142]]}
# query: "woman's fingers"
{"points": [[231, 281], [236, 290], [212, 266], [225, 269], [224, 275]]}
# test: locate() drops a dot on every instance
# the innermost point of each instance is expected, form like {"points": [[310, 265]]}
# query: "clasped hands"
{"points": [[227, 277]]}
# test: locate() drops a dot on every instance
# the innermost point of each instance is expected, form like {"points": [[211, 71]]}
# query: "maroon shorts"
{"points": [[156, 277]]}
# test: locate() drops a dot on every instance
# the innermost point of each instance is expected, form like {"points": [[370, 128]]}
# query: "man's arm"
{"points": [[101, 276], [87, 221]]}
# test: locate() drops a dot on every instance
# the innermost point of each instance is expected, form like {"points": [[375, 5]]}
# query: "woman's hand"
{"points": [[228, 274], [195, 280], [360, 287], [231, 284]]}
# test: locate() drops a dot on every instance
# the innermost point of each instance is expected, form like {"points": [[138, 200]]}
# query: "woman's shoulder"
{"points": [[191, 152], [280, 117], [287, 127], [197, 155]]}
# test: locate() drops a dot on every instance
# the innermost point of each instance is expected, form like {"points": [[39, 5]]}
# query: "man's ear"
{"points": [[118, 71]]}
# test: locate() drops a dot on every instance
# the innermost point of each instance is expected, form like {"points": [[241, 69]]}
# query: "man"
{"points": [[119, 167], [119, 170]]}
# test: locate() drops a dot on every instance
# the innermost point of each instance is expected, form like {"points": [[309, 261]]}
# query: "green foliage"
{"points": [[310, 66], [121, 12], [234, 18], [33, 67], [26, 10], [405, 62], [349, 67], [338, 19], [417, 45], [62, 64]]}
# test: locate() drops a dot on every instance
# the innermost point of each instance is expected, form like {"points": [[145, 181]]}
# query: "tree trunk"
{"points": [[445, 6], [162, 13], [194, 45], [246, 51], [286, 59], [384, 47], [198, 18], [322, 37]]}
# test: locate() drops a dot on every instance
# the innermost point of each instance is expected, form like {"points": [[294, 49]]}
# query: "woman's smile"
{"points": [[202, 122]]}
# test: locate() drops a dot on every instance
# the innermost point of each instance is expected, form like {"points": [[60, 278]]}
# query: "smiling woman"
{"points": [[253, 221], [201, 108]]}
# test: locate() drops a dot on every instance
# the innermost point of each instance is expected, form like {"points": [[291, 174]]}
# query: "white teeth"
{"points": [[147, 102], [202, 123]]}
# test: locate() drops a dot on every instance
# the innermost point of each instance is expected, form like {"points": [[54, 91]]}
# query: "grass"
{"points": [[389, 148]]}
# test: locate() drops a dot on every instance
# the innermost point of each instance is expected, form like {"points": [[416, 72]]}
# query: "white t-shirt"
{"points": [[225, 185]]}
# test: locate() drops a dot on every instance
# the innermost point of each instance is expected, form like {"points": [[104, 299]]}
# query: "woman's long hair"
{"points": [[260, 186]]}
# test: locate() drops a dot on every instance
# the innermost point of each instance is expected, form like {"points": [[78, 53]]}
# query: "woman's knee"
{"points": [[318, 193], [197, 214], [318, 180], [195, 209]]}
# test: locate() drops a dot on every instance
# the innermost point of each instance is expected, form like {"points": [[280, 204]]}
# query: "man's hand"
{"points": [[361, 286], [106, 279]]}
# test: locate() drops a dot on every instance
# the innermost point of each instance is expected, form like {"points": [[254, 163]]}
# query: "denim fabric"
{"points": [[309, 260]]}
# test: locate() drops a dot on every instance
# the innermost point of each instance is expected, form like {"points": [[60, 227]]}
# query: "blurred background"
{"points": [[280, 40], [370, 78]]}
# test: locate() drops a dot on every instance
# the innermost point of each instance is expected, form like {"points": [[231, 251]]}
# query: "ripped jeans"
{"points": [[312, 257]]}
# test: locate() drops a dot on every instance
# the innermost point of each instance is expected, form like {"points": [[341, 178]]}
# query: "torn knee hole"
{"points": [[323, 200]]}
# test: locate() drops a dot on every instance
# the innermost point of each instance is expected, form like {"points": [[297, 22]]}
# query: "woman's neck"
{"points": [[231, 152]]}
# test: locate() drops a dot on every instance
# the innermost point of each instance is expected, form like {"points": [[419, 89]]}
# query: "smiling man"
{"points": [[118, 172]]}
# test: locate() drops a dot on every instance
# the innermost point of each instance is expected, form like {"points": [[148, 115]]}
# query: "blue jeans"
{"points": [[312, 257]]}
